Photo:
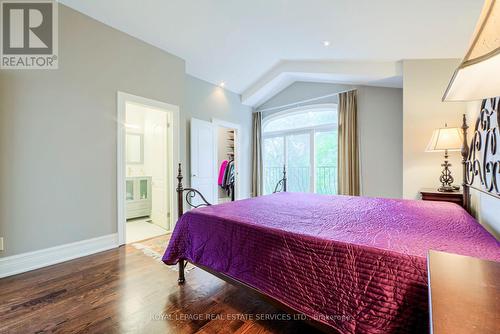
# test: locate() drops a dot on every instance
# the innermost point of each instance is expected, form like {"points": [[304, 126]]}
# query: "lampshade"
{"points": [[477, 76], [445, 139]]}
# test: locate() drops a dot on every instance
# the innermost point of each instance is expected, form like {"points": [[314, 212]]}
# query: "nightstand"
{"points": [[429, 194], [463, 294]]}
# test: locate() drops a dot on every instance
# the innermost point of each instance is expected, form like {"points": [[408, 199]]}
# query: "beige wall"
{"points": [[379, 123], [424, 82], [58, 131]]}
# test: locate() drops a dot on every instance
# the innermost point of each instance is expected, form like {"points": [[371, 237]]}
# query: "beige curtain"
{"points": [[348, 160], [257, 154]]}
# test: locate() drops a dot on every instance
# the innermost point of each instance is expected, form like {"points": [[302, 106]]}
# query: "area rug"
{"points": [[155, 247]]}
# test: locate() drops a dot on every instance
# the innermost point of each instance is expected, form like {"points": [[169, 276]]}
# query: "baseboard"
{"points": [[16, 264]]}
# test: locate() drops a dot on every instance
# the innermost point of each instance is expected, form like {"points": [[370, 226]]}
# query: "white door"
{"points": [[157, 123], [203, 159], [156, 153]]}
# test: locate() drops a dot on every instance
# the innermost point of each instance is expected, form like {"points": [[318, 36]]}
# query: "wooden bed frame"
{"points": [[477, 161]]}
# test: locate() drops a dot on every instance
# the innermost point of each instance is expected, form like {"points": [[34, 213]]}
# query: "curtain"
{"points": [[257, 154], [348, 159]]}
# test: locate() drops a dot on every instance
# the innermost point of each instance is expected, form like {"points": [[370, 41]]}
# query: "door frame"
{"points": [[237, 155], [173, 144]]}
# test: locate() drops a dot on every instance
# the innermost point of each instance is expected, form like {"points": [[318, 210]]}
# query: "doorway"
{"points": [[227, 148], [147, 155], [215, 152]]}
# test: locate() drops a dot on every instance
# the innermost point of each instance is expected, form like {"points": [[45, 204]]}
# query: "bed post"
{"points": [[180, 190], [284, 178], [180, 211], [465, 155]]}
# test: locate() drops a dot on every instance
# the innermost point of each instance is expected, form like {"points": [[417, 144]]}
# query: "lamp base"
{"points": [[448, 189], [446, 179]]}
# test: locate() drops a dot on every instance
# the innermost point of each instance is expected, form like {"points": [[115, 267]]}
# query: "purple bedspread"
{"points": [[357, 264]]}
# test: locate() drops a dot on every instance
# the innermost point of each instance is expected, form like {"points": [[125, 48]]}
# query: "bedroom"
{"points": [[348, 97]]}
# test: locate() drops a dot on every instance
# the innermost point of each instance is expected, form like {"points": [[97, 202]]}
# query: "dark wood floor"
{"points": [[125, 291]]}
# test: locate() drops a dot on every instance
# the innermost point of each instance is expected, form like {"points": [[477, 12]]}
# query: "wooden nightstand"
{"points": [[429, 194], [463, 294]]}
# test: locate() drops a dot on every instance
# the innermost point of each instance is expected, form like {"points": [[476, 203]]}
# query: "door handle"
{"points": [[193, 175]]}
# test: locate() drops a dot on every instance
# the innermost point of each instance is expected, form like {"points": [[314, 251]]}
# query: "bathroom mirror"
{"points": [[135, 148]]}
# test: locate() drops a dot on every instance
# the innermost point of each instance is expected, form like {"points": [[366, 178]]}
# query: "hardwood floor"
{"points": [[125, 291]]}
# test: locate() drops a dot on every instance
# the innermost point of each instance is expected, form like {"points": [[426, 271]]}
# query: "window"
{"points": [[305, 140]]}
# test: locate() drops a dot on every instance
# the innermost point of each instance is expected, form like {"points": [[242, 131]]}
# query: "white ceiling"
{"points": [[383, 74], [243, 42]]}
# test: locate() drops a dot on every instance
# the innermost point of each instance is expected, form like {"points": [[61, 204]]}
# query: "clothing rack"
{"points": [[231, 182], [232, 191], [227, 178]]}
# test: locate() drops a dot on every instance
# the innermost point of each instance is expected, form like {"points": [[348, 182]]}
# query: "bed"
{"points": [[350, 264], [357, 264]]}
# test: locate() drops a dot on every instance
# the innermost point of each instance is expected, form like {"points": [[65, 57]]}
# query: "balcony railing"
{"points": [[299, 179]]}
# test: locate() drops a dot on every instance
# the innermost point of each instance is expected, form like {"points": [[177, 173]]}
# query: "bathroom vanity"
{"points": [[138, 196]]}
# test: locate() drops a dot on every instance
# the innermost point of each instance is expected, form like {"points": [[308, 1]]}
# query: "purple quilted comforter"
{"points": [[357, 264]]}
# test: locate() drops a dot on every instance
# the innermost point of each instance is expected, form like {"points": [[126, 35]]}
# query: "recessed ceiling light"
{"points": [[222, 84], [326, 43]]}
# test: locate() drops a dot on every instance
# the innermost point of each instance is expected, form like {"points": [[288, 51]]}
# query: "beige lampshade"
{"points": [[478, 77], [445, 139]]}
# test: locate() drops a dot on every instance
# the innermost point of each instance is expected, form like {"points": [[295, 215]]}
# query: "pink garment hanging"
{"points": [[222, 170]]}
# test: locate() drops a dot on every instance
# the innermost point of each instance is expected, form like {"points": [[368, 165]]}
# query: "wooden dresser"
{"points": [[464, 294], [431, 194]]}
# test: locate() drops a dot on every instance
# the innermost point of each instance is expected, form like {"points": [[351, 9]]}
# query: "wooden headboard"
{"points": [[481, 160]]}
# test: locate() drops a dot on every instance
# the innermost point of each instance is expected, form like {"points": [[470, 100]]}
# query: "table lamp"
{"points": [[445, 140], [477, 76]]}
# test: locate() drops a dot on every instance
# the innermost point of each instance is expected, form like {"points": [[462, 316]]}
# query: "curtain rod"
{"points": [[307, 100]]}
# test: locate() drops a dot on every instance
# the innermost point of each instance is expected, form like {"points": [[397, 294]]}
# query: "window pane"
{"points": [[273, 154], [326, 162], [298, 162], [313, 117]]}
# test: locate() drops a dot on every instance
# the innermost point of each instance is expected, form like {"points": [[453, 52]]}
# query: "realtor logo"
{"points": [[29, 34]]}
